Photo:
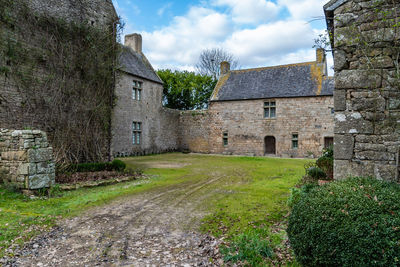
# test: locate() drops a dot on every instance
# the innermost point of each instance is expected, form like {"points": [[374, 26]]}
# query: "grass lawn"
{"points": [[247, 195]]}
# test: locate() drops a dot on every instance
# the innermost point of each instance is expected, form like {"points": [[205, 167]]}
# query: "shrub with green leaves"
{"points": [[115, 165], [354, 222], [316, 173]]}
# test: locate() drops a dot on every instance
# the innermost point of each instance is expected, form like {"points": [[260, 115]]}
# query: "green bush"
{"points": [[325, 162], [316, 173], [118, 165], [355, 222]]}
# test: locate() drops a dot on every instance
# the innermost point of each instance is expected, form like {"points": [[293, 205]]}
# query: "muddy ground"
{"points": [[154, 228]]}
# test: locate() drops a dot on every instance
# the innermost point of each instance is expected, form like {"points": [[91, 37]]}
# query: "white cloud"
{"points": [[270, 41], [250, 11], [275, 41], [304, 9], [186, 37]]}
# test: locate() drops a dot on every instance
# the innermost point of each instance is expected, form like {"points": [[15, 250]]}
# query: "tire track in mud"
{"points": [[136, 231]]}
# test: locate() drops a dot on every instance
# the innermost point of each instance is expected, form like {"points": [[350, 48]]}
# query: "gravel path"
{"points": [[156, 228]]}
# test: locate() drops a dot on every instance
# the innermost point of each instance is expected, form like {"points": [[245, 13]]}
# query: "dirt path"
{"points": [[156, 228]]}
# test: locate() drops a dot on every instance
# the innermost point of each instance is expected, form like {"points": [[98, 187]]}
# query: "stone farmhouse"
{"points": [[283, 110], [365, 42]]}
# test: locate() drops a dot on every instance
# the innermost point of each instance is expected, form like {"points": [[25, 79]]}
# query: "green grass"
{"points": [[247, 194]]}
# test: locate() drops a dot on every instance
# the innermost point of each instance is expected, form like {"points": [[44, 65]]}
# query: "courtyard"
{"points": [[184, 205]]}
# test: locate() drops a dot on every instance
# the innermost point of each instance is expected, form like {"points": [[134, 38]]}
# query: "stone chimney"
{"points": [[321, 61], [225, 67], [134, 41]]}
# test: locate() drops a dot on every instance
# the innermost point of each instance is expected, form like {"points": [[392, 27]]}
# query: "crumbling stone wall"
{"points": [[367, 92], [26, 158]]}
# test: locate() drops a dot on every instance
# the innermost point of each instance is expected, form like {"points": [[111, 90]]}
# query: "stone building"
{"points": [[140, 124], [283, 110], [365, 40]]}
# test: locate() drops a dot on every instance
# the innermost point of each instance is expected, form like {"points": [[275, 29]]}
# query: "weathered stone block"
{"points": [[348, 168], [352, 123], [347, 79], [340, 60], [40, 181], [23, 169], [339, 100], [343, 146], [40, 154], [385, 172]]}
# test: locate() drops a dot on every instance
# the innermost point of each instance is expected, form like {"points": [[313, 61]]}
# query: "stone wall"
{"points": [[367, 88], [160, 126], [309, 117], [39, 77], [26, 158]]}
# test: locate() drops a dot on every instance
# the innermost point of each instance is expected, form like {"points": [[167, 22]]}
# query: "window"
{"points": [[295, 141], [270, 109], [332, 111], [225, 138], [136, 133], [137, 90]]}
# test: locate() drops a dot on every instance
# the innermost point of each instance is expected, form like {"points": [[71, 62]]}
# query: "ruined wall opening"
{"points": [[270, 145]]}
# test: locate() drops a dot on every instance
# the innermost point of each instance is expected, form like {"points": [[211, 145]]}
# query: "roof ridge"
{"points": [[276, 67]]}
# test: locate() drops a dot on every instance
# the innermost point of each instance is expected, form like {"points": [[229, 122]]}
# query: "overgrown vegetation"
{"points": [[354, 222], [321, 169], [63, 74]]}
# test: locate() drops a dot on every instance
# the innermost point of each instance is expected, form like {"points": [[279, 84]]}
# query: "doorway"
{"points": [[270, 145]]}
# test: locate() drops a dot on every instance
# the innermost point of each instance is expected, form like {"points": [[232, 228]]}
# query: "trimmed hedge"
{"points": [[355, 222]]}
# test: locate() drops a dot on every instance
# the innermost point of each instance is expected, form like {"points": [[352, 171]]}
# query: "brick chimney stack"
{"points": [[225, 67], [134, 41], [321, 61]]}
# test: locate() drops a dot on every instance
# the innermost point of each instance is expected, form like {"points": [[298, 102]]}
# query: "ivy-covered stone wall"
{"points": [[57, 67], [366, 46]]}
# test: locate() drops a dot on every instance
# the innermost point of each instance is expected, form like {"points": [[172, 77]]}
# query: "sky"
{"points": [[258, 33]]}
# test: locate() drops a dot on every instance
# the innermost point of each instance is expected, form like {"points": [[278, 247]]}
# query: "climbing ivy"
{"points": [[59, 76]]}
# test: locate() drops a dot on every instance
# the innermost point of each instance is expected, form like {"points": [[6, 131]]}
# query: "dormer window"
{"points": [[137, 90]]}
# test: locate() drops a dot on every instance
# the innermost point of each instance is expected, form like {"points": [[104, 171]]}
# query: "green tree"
{"points": [[186, 90]]}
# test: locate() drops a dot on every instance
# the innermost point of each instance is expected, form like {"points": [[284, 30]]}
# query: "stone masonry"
{"points": [[26, 158], [366, 38], [310, 117]]}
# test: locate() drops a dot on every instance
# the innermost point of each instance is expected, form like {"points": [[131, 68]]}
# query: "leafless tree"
{"points": [[210, 60]]}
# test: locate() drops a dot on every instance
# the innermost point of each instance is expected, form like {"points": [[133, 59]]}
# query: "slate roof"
{"points": [[137, 64], [296, 80]]}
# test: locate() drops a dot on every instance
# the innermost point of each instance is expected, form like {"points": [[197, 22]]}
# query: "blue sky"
{"points": [[257, 32]]}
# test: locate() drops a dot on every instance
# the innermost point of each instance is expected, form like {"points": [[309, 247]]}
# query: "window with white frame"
{"points": [[136, 133], [137, 90], [270, 109]]}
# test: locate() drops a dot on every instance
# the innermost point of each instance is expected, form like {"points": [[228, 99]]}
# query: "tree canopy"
{"points": [[186, 90]]}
